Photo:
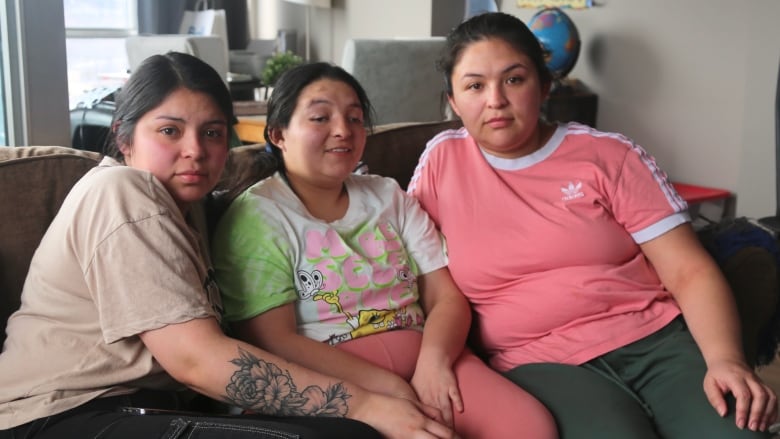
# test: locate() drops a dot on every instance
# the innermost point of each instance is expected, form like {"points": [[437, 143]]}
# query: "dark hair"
{"points": [[150, 84], [486, 26]]}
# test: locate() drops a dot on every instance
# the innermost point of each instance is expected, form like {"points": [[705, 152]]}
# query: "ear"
{"points": [[277, 138], [452, 104], [124, 149]]}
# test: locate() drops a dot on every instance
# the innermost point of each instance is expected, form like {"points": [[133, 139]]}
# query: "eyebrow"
{"points": [[181, 120], [506, 70], [314, 102]]}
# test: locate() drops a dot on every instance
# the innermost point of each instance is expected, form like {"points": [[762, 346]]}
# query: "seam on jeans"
{"points": [[178, 424], [263, 432], [609, 373], [103, 430]]}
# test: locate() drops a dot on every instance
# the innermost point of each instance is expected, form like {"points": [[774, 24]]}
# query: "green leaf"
{"points": [[278, 64]]}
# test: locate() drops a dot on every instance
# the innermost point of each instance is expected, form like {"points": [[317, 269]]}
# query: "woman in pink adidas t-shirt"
{"points": [[578, 258]]}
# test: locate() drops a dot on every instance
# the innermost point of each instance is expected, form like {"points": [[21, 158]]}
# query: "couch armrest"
{"points": [[33, 183]]}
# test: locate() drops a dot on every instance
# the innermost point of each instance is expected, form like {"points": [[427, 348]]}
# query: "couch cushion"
{"points": [[33, 184]]}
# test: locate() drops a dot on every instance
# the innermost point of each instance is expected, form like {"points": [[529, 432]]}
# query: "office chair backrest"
{"points": [[210, 49]]}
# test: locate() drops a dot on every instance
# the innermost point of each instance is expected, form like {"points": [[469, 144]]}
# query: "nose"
{"points": [[341, 127], [193, 147], [496, 96]]}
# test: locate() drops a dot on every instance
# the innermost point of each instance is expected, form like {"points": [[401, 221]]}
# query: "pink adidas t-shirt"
{"points": [[546, 246]]}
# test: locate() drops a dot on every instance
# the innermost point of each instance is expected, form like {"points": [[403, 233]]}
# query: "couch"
{"points": [[34, 181]]}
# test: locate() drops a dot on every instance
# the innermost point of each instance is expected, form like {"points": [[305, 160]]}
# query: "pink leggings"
{"points": [[494, 407]]}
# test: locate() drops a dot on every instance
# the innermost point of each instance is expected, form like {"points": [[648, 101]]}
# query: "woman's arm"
{"points": [[707, 303], [197, 354], [275, 331], [447, 323]]}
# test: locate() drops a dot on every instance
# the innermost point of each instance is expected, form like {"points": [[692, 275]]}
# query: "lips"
{"points": [[498, 122], [192, 176], [339, 150]]}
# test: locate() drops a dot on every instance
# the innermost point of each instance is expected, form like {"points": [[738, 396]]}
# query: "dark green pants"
{"points": [[649, 389]]}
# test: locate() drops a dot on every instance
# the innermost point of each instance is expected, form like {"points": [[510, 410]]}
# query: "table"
{"points": [[571, 101], [723, 202], [250, 129], [251, 120]]}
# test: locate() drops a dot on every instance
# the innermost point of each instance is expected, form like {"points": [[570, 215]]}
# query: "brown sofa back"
{"points": [[393, 151], [33, 184]]}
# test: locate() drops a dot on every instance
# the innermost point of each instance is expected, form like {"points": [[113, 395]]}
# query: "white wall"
{"points": [[379, 19], [691, 81]]}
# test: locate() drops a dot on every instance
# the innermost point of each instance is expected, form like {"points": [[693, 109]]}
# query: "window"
{"points": [[95, 32]]}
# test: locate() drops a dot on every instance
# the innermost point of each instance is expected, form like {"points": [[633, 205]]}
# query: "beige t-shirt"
{"points": [[119, 259]]}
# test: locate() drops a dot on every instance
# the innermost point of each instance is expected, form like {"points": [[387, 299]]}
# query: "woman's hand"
{"points": [[399, 388], [448, 318], [436, 386], [697, 284], [399, 418], [756, 406]]}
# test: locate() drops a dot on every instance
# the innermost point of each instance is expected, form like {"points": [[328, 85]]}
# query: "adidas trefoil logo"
{"points": [[572, 191]]}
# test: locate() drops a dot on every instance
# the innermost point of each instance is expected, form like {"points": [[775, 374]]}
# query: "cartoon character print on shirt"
{"points": [[332, 298], [310, 283], [366, 281]]}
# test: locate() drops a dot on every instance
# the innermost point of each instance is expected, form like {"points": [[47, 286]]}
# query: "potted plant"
{"points": [[277, 64]]}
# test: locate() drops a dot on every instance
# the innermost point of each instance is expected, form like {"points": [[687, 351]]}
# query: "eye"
{"points": [[514, 80], [318, 119], [168, 131], [474, 86], [356, 120], [213, 133]]}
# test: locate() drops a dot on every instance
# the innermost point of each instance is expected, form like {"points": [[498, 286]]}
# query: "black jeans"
{"points": [[107, 418]]}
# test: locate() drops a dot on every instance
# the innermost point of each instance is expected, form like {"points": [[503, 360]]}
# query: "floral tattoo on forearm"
{"points": [[263, 387]]}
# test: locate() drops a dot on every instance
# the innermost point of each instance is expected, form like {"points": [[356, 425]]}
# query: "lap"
{"points": [[395, 351], [650, 388], [584, 403], [117, 425], [667, 371], [493, 406], [109, 418]]}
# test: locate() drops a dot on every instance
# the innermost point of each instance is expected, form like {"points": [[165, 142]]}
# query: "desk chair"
{"points": [[400, 77]]}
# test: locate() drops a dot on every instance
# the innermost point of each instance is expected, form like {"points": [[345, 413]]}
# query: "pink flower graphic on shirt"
{"points": [[318, 245], [393, 241], [372, 246]]}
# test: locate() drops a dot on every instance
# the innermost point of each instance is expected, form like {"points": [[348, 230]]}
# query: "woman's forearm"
{"points": [[448, 317], [199, 356]]}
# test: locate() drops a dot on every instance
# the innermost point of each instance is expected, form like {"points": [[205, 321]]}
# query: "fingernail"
{"points": [[753, 425], [740, 423]]}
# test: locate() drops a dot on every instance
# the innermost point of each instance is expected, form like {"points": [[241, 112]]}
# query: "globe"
{"points": [[559, 39]]}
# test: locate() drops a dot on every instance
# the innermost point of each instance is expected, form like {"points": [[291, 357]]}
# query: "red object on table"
{"points": [[697, 194]]}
